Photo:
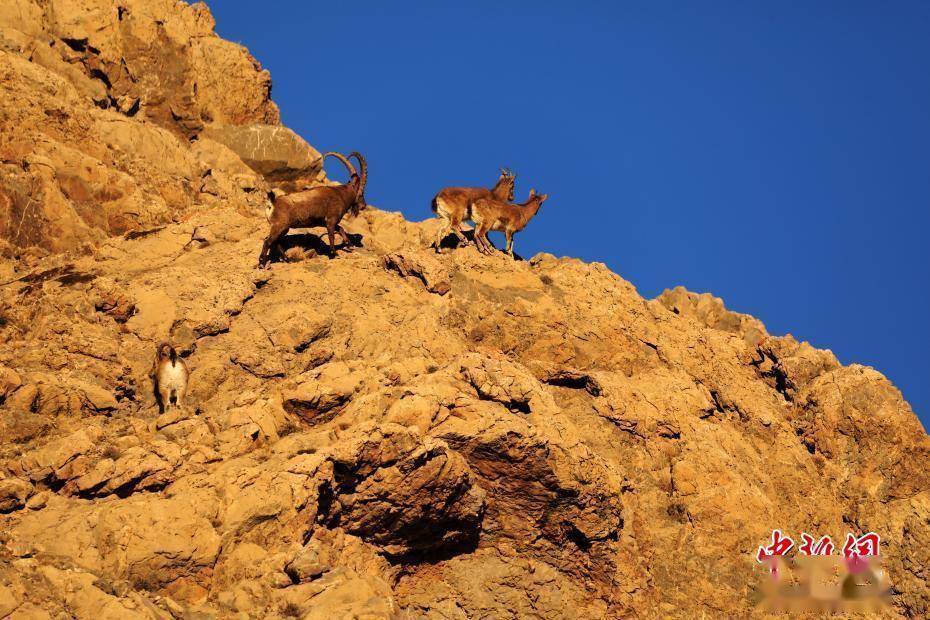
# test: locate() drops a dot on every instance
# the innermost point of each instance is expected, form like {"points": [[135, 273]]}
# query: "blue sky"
{"points": [[774, 154]]}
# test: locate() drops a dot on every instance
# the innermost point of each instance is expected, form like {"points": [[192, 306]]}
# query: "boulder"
{"points": [[430, 271], [14, 492], [273, 151], [408, 496]]}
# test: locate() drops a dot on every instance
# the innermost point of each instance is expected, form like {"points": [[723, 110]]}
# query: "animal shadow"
{"points": [[451, 242], [308, 241]]}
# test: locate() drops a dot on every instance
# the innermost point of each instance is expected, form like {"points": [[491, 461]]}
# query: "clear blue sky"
{"points": [[776, 154]]}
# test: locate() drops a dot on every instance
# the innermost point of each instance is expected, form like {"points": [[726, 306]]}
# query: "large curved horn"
{"points": [[340, 157], [363, 166]]}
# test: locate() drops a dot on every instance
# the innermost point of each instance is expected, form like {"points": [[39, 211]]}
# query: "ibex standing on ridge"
{"points": [[489, 214], [452, 203], [318, 206]]}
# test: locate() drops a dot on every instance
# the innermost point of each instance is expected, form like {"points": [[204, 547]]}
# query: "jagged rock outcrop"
{"points": [[390, 434], [99, 102], [709, 310]]}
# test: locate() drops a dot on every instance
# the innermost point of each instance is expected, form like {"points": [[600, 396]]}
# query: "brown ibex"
{"points": [[318, 206], [490, 214], [452, 204]]}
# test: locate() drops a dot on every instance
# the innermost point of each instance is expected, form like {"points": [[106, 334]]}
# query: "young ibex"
{"points": [[318, 206], [452, 204], [489, 214], [171, 375]]}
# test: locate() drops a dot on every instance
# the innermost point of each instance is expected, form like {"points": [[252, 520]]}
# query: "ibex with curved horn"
{"points": [[318, 206], [452, 204]]}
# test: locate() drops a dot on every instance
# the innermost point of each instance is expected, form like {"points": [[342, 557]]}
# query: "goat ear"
{"points": [[543, 198], [532, 192]]}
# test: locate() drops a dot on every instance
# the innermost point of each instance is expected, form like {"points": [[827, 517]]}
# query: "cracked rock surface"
{"points": [[394, 433], [538, 440], [120, 116]]}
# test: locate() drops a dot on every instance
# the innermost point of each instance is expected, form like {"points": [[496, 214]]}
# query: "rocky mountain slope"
{"points": [[389, 434], [116, 116]]}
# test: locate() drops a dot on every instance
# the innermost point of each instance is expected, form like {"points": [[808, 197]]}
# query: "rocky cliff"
{"points": [[118, 116], [390, 434]]}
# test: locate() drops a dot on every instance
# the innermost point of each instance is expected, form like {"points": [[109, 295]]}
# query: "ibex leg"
{"points": [[482, 236], [271, 241], [456, 226], [164, 398], [441, 233], [331, 234], [345, 237], [479, 242]]}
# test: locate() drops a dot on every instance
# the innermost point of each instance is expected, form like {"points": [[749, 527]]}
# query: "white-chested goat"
{"points": [[171, 374]]}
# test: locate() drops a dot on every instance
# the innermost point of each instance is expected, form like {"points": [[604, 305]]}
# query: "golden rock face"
{"points": [[392, 433], [100, 103], [506, 435]]}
